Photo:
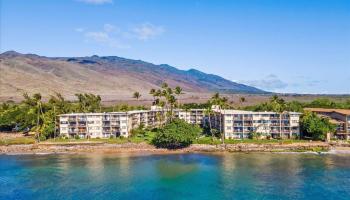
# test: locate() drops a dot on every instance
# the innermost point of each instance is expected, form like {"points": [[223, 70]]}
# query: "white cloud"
{"points": [[96, 2], [110, 28], [114, 37], [104, 38], [270, 83], [107, 36], [147, 31], [98, 36], [79, 30]]}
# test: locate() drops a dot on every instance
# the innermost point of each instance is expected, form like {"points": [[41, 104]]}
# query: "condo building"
{"points": [[339, 117], [235, 124], [238, 124], [105, 125], [192, 116]]}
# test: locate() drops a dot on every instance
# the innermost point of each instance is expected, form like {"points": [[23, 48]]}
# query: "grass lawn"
{"points": [[208, 140], [147, 137], [19, 140]]}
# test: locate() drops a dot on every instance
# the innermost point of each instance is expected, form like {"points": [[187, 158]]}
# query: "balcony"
{"points": [[71, 131], [238, 118], [114, 119], [106, 124], [72, 118], [238, 132], [275, 124]]}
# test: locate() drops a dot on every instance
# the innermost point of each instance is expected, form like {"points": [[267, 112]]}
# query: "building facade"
{"points": [[338, 117], [192, 116], [235, 124], [105, 125], [239, 124]]}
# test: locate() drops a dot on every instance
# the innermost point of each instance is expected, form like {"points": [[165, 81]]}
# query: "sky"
{"points": [[288, 46]]}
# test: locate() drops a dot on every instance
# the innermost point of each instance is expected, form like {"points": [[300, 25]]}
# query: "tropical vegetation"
{"points": [[176, 134], [34, 114]]}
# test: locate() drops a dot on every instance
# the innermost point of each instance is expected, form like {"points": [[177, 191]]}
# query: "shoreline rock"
{"points": [[52, 148]]}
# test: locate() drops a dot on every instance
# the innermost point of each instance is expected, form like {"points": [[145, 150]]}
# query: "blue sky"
{"points": [[300, 46]]}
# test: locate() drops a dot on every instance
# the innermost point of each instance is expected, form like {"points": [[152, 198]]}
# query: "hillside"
{"points": [[109, 76]]}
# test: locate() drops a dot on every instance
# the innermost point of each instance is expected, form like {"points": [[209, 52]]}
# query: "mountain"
{"points": [[109, 76]]}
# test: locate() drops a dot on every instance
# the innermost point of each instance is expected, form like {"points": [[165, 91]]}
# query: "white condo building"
{"points": [[234, 124], [240, 124]]}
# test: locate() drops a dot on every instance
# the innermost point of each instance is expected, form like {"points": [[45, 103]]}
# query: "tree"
{"points": [[278, 106], [242, 100], [209, 112], [176, 134], [315, 126], [171, 101], [88, 103], [222, 103], [164, 85], [153, 92], [136, 95], [178, 91]]}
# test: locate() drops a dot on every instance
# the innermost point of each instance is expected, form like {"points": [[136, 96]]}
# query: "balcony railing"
{"points": [[238, 118]]}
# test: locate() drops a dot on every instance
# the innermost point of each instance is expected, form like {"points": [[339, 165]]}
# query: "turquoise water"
{"points": [[184, 176]]}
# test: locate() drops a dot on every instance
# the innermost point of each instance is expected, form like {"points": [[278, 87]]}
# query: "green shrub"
{"points": [[207, 140], [176, 134], [316, 127]]}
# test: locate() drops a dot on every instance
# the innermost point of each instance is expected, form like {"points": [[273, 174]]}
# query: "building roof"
{"points": [[90, 114], [175, 110], [253, 112], [331, 120], [325, 110]]}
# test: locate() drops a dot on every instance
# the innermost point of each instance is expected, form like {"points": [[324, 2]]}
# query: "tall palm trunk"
{"points": [[54, 131], [222, 134], [281, 125], [37, 125], [210, 130]]}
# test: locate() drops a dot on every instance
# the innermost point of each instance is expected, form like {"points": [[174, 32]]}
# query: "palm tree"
{"points": [[37, 99], [178, 91], [162, 104], [222, 103], [208, 111], [164, 85], [171, 100], [136, 95], [152, 92], [242, 100], [278, 106]]}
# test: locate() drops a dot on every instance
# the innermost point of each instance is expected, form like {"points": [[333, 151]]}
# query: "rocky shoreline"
{"points": [[52, 148]]}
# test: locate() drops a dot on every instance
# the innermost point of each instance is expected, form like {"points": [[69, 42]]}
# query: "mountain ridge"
{"points": [[104, 75]]}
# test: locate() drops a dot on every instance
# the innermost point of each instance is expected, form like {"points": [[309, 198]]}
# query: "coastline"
{"points": [[141, 148]]}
